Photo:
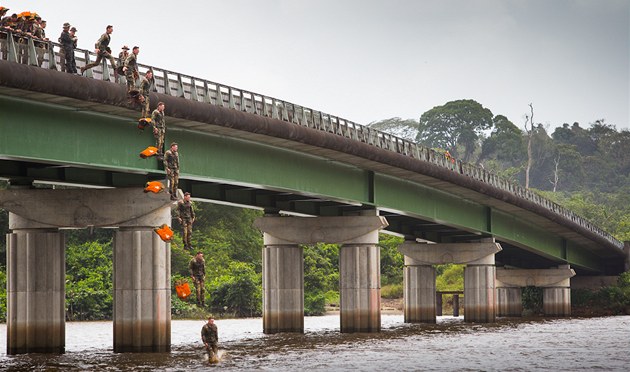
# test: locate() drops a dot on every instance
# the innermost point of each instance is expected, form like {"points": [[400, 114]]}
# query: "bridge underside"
{"points": [[96, 144]]}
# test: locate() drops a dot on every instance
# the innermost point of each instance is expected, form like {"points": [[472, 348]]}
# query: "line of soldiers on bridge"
{"points": [[28, 24]]}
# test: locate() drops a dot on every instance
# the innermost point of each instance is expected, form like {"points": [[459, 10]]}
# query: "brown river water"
{"points": [[577, 344]]}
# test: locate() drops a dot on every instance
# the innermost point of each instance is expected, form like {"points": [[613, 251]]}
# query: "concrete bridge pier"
{"points": [[509, 301], [283, 269], [479, 278], [142, 288], [283, 286], [360, 287], [419, 292], [555, 283], [35, 288], [480, 293], [36, 265]]}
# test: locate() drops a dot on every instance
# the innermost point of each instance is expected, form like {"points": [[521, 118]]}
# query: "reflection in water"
{"points": [[451, 344]]}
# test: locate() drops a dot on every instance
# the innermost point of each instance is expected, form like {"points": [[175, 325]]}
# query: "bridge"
{"points": [[318, 177]]}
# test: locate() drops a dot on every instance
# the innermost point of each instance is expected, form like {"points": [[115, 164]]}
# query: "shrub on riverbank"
{"points": [[392, 291], [612, 300]]}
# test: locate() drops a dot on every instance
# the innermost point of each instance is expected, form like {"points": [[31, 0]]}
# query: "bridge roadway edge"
{"points": [[23, 77]]}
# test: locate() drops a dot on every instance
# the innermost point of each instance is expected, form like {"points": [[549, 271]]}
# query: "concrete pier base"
{"points": [[360, 288], [557, 301], [283, 288], [142, 291], [35, 291], [283, 270], [419, 293], [479, 275], [509, 302], [556, 283], [479, 293], [36, 265]]}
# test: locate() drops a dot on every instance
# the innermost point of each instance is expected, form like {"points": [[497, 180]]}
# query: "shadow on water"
{"points": [[509, 344]]}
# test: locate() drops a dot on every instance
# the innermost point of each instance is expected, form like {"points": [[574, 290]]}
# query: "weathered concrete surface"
{"points": [[480, 293], [142, 290], [35, 291], [555, 282], [80, 208], [457, 253], [557, 277], [359, 261], [557, 301], [332, 230], [283, 288], [419, 294], [509, 301], [360, 287]]}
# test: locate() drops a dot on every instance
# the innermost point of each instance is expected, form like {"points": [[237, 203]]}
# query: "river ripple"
{"points": [[508, 345]]}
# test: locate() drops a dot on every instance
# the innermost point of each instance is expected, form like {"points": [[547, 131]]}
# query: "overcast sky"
{"points": [[369, 60]]}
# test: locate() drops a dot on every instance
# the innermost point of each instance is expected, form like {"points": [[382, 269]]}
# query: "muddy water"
{"points": [[513, 345]]}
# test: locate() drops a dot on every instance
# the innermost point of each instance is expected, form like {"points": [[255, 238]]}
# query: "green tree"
{"points": [[238, 291], [392, 261], [89, 281], [403, 128], [321, 276], [505, 144], [449, 277], [229, 226], [456, 123]]}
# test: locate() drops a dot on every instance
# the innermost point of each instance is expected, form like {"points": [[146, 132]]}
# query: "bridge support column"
{"points": [[142, 288], [283, 287], [480, 293], [283, 270], [557, 297], [419, 292], [555, 284], [36, 265], [479, 275], [35, 289], [509, 301], [360, 287]]}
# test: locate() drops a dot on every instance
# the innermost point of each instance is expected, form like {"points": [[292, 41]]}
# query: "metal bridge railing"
{"points": [[202, 90]]}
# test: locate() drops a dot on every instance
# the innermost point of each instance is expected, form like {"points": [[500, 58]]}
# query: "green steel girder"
{"points": [[54, 142]]}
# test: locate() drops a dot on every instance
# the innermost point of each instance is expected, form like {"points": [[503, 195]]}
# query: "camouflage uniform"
{"points": [[25, 25], [132, 71], [159, 126], [7, 24], [102, 45], [145, 89], [186, 216], [67, 45], [210, 336], [41, 46], [171, 165], [198, 273]]}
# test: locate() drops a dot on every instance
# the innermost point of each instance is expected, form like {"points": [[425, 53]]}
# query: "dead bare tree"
{"points": [[530, 135], [556, 176]]}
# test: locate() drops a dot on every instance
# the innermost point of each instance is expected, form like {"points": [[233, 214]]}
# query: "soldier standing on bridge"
{"points": [[67, 45], [171, 165], [159, 128], [186, 217], [210, 338], [197, 267], [103, 50], [130, 68], [145, 89], [122, 56]]}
